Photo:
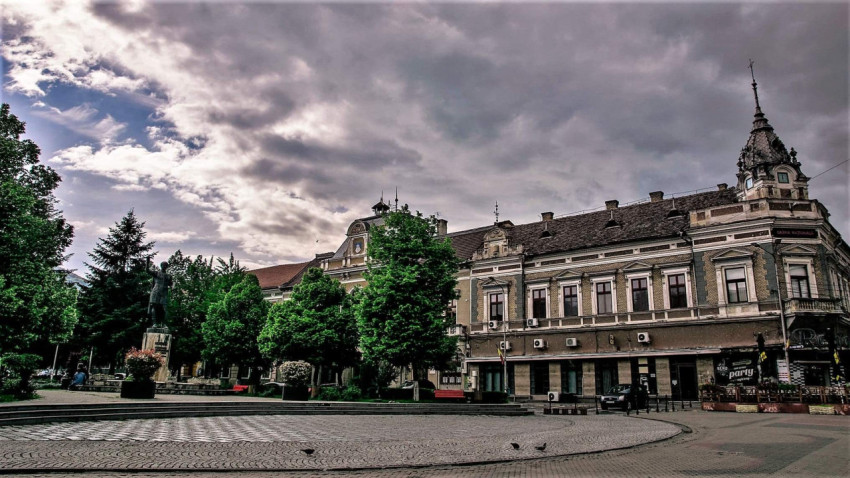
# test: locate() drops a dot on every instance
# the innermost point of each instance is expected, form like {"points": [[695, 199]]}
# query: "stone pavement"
{"points": [[721, 444]]}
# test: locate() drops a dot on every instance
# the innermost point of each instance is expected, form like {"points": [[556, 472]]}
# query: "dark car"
{"points": [[625, 397], [422, 384]]}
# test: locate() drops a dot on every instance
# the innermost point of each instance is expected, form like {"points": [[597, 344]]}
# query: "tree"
{"points": [[113, 309], [411, 279], [315, 325], [192, 292], [233, 325], [35, 303]]}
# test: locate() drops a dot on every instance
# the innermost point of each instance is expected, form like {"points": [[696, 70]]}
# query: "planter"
{"points": [[296, 393], [138, 389]]}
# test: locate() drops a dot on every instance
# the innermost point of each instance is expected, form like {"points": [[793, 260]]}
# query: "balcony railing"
{"points": [[812, 305]]}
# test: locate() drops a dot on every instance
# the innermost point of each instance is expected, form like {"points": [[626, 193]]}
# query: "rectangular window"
{"points": [[604, 303], [678, 291], [451, 312], [571, 377], [571, 301], [783, 177], [640, 295], [497, 306], [538, 303], [736, 285], [799, 282]]}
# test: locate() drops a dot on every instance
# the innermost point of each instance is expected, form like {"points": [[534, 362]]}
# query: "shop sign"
{"points": [[794, 233], [741, 371]]}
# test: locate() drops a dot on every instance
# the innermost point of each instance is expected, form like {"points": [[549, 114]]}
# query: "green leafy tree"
{"points": [[233, 325], [316, 325], [411, 279], [193, 290], [113, 309], [35, 303]]}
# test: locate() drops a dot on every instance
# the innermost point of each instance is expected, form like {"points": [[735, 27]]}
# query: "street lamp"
{"points": [[776, 243]]}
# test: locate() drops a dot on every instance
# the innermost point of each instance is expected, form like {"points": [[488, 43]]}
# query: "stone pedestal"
{"points": [[158, 339]]}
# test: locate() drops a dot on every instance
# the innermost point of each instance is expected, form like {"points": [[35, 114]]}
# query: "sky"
{"points": [[264, 129]]}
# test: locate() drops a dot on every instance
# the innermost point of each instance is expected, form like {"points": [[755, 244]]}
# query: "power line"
{"points": [[830, 169]]}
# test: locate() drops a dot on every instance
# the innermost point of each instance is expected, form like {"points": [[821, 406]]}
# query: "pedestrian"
{"points": [[79, 377]]}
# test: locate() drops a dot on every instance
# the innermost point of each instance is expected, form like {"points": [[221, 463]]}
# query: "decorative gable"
{"points": [[733, 255], [799, 250]]}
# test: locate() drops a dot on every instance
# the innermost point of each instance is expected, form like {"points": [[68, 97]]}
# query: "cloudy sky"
{"points": [[266, 128]]}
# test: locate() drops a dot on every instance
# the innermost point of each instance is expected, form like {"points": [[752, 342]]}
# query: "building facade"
{"points": [[736, 284]]}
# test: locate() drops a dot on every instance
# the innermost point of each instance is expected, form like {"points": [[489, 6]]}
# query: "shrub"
{"points": [[329, 394], [296, 374], [351, 394], [20, 368], [142, 364]]}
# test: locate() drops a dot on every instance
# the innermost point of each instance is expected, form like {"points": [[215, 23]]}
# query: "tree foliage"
{"points": [[113, 309], [411, 279], [316, 325], [192, 291], [233, 325], [34, 301]]}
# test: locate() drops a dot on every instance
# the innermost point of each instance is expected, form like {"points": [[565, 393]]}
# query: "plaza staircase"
{"points": [[37, 414]]}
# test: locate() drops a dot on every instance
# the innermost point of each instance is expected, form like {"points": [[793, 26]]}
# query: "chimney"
{"points": [[612, 204], [547, 216], [656, 196], [442, 227], [722, 187]]}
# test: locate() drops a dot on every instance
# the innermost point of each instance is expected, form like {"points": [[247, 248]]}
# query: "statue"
{"points": [[158, 305]]}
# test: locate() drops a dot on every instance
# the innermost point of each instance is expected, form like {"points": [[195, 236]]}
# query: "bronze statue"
{"points": [[158, 305]]}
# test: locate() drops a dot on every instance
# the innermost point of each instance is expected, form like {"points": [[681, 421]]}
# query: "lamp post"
{"points": [[776, 243]]}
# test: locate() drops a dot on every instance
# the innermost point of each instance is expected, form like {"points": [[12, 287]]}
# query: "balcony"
{"points": [[456, 330], [817, 306]]}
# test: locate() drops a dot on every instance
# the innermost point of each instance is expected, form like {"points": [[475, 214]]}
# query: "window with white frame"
{"points": [[677, 288], [497, 306], [736, 285], [539, 303], [639, 292], [571, 299], [451, 311], [798, 276], [603, 296]]}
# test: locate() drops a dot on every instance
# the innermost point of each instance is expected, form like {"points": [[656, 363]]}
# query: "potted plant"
{"points": [[295, 377], [141, 364]]}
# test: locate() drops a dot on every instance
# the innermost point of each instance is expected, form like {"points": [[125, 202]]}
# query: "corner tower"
{"points": [[765, 168]]}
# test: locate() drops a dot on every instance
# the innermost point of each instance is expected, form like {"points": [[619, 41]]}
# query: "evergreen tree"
{"points": [[316, 325], [114, 307], [233, 325], [35, 303], [411, 279]]}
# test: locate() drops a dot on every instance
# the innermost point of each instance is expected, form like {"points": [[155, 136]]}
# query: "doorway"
{"points": [[683, 379]]}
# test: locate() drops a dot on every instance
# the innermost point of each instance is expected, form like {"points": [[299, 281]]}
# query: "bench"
{"points": [[449, 394], [240, 388]]}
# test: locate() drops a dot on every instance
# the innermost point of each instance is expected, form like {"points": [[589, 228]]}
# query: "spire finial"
{"points": [[496, 212], [396, 198], [755, 85]]}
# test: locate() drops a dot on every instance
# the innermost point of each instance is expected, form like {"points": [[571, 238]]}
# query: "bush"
{"points": [[270, 389], [329, 394], [351, 394], [16, 374], [296, 374], [142, 364]]}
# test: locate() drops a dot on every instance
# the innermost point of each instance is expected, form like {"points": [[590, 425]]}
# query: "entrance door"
{"points": [[683, 379]]}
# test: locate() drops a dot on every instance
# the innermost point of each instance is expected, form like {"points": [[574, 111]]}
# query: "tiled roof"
{"points": [[296, 279], [276, 276], [643, 221]]}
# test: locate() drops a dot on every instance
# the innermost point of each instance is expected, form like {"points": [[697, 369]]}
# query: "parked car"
{"points": [[625, 397], [422, 384]]}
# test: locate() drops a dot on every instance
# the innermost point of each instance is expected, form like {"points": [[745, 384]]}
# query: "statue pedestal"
{"points": [[158, 338]]}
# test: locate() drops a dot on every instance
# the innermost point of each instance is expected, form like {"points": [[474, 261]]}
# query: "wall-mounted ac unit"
{"points": [[504, 345], [539, 344], [553, 396], [572, 342], [493, 324], [532, 323], [643, 337]]}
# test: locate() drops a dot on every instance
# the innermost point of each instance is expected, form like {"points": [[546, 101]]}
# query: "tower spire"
{"points": [[755, 85], [496, 212]]}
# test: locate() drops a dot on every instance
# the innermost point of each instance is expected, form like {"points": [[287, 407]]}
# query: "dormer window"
{"points": [[749, 183], [782, 177]]}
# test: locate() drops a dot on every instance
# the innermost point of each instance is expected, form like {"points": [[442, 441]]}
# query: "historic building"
{"points": [[726, 285]]}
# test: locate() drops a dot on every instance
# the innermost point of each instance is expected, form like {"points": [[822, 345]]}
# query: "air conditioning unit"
{"points": [[539, 344], [493, 324], [532, 323], [554, 396], [643, 337], [572, 342], [504, 345]]}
